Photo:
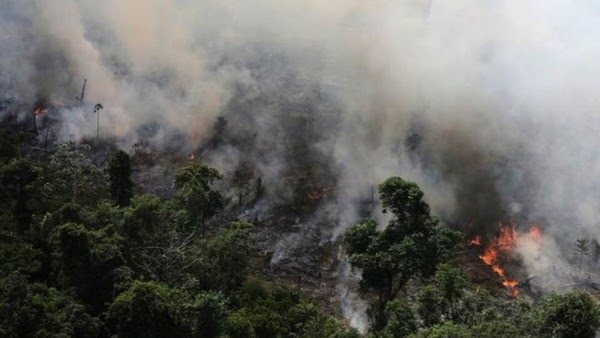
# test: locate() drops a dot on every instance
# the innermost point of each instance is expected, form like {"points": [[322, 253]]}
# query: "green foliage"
{"points": [[103, 215], [444, 298], [401, 319], [267, 310], [451, 282], [74, 264], [360, 237], [88, 259], [147, 309], [10, 143], [226, 256], [573, 314], [70, 237], [121, 185], [405, 200], [145, 226], [582, 248], [20, 191], [195, 194], [144, 218], [496, 329], [206, 314], [43, 229], [74, 178], [429, 305], [34, 310], [445, 330], [411, 245], [240, 326], [19, 258], [482, 308]]}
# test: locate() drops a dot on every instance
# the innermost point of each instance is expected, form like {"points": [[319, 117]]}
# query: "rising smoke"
{"points": [[490, 106]]}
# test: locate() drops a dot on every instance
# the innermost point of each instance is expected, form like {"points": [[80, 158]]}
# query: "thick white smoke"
{"points": [[491, 106]]}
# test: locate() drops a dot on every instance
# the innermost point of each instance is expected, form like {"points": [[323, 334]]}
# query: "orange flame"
{"points": [[506, 243], [534, 234], [475, 241], [490, 257], [318, 194], [40, 111], [508, 237]]}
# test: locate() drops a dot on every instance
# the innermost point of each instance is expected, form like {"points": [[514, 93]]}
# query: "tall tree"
{"points": [[412, 244], [121, 185], [227, 256], [19, 181], [194, 184], [10, 143], [88, 261], [36, 310], [147, 309], [582, 248], [74, 177], [573, 314]]}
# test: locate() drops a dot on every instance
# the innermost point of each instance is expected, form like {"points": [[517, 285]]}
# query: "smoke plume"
{"points": [[490, 106]]}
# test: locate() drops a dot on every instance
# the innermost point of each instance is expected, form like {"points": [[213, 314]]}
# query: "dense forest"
{"points": [[299, 168], [87, 253]]}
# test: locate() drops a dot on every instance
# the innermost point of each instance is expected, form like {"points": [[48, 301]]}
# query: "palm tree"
{"points": [[582, 248]]}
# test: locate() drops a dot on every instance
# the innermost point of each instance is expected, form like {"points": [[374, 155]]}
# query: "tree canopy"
{"points": [[84, 254], [411, 245]]}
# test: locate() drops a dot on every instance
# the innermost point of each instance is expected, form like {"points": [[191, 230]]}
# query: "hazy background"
{"points": [[491, 106]]}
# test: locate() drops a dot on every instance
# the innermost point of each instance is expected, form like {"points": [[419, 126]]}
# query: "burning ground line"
{"points": [[504, 246]]}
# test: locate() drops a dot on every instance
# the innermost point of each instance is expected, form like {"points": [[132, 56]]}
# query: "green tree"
{"points": [[20, 191], [429, 305], [445, 330], [496, 329], [451, 282], [485, 313], [121, 185], [145, 226], [35, 310], [19, 258], [74, 178], [195, 192], [240, 326], [147, 309], [401, 319], [88, 260], [225, 257], [276, 310], [573, 314], [10, 143], [206, 314], [582, 248], [412, 245]]}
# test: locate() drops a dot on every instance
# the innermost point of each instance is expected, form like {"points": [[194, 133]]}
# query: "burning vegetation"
{"points": [[500, 250], [211, 182]]}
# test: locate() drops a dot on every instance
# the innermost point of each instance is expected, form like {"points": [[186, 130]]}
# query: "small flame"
{"points": [[318, 194], [534, 234], [505, 244], [192, 157], [508, 237], [490, 257], [40, 111], [475, 241]]}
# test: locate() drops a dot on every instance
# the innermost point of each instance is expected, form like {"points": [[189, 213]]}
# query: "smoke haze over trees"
{"points": [[286, 115]]}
